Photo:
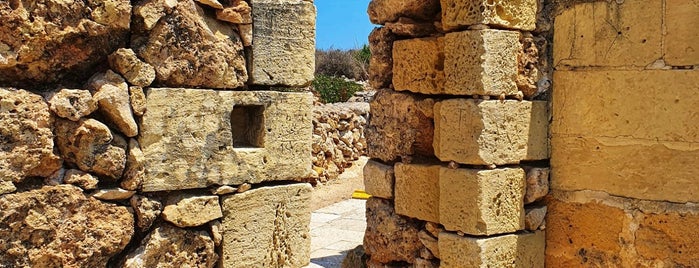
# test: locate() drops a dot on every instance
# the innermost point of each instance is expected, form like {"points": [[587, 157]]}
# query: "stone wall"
{"points": [[624, 135], [338, 137], [458, 134], [148, 133]]}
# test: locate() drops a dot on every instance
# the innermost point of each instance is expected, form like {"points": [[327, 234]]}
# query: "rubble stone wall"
{"points": [[458, 134], [474, 97], [148, 133]]}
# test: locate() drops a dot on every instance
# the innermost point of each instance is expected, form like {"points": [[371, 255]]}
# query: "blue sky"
{"points": [[342, 24]]}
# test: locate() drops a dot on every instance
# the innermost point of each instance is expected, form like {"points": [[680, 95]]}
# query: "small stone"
{"points": [[244, 187], [147, 210], [426, 254], [7, 187], [87, 144], [453, 165], [169, 246], [433, 228], [534, 217], [191, 211], [240, 13], [425, 263], [134, 172], [113, 194], [81, 179], [112, 95], [125, 62], [245, 31], [430, 243], [225, 189], [537, 184], [72, 104], [56, 178], [212, 3], [216, 232], [138, 100]]}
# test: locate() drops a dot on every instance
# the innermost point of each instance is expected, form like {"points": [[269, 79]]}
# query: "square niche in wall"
{"points": [[247, 126]]}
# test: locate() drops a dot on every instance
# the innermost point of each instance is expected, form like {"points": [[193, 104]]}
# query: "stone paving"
{"points": [[336, 229]]}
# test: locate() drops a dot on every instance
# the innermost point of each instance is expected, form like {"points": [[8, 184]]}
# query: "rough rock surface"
{"points": [[390, 237], [46, 41], [112, 94], [186, 46], [191, 211], [133, 173], [537, 184], [169, 246], [87, 144], [400, 125], [147, 210], [356, 258], [81, 179], [138, 100], [381, 62], [382, 11], [125, 62], [239, 13], [72, 104], [113, 194], [26, 138], [48, 227]]}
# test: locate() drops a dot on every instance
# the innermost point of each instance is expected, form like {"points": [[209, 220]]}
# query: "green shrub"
{"points": [[352, 64], [333, 89]]}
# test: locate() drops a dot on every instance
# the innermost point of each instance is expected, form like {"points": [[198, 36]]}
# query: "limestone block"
{"points": [[88, 145], [609, 33], [515, 250], [283, 47], [490, 132], [681, 41], [400, 125], [72, 104], [481, 62], [190, 211], [58, 225], [390, 237], [379, 179], [187, 46], [125, 62], [381, 62], [382, 11], [59, 41], [84, 180], [520, 15], [608, 135], [239, 13], [583, 233], [169, 246], [417, 191], [194, 138], [670, 237], [146, 209], [481, 202], [112, 95], [267, 227], [27, 140], [418, 65]]}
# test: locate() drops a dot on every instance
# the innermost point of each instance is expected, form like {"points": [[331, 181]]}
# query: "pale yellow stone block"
{"points": [[417, 191], [514, 250], [520, 15], [379, 179], [418, 65], [682, 39]]}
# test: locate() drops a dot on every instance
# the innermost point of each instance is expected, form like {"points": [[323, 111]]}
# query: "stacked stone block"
{"points": [[459, 147], [624, 135], [148, 133]]}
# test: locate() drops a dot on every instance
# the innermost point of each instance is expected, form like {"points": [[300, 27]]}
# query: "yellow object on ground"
{"points": [[359, 194]]}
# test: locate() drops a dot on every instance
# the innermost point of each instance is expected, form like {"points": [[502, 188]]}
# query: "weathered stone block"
{"points": [[381, 63], [418, 65], [197, 138], [379, 179], [382, 11], [185, 210], [481, 132], [519, 15], [482, 202], [187, 46], [283, 48], [515, 250], [481, 62], [670, 237], [609, 33], [400, 125], [390, 237], [608, 135], [47, 227], [681, 41], [267, 227], [26, 143], [417, 191], [169, 246], [583, 233]]}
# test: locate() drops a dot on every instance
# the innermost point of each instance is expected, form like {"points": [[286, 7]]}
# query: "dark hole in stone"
{"points": [[247, 126]]}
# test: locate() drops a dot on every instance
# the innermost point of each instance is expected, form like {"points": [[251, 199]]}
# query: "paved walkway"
{"points": [[336, 229]]}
